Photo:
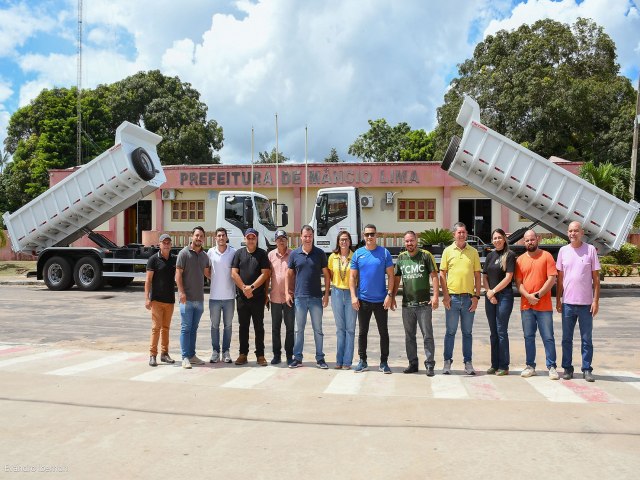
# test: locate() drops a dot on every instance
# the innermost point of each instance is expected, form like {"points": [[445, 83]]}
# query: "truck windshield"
{"points": [[265, 217]]}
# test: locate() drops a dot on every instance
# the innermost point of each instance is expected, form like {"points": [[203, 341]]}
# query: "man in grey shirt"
{"points": [[191, 267]]}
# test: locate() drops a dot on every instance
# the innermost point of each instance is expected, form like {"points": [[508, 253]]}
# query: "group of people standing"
{"points": [[364, 283]]}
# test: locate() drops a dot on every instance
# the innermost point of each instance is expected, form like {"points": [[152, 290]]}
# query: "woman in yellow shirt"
{"points": [[343, 312]]}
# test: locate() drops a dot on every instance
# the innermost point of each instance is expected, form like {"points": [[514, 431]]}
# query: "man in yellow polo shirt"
{"points": [[460, 280]]}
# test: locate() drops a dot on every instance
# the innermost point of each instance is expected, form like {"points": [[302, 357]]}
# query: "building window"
{"points": [[187, 210], [416, 210]]}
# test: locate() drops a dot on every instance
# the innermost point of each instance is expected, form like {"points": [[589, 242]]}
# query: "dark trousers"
{"points": [[382, 320], [282, 312], [251, 308]]}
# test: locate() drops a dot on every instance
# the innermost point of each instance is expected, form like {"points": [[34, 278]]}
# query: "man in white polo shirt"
{"points": [[221, 296]]}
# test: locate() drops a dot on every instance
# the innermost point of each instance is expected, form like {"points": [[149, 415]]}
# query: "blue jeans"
{"points": [[581, 314], [345, 317], [532, 319], [459, 310], [190, 313], [225, 309], [498, 316], [312, 305]]}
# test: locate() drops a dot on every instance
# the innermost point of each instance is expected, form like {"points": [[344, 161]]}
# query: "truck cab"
{"points": [[238, 210], [337, 209]]}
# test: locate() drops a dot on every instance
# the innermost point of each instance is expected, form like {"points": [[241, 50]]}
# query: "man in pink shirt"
{"points": [[280, 311], [577, 297]]}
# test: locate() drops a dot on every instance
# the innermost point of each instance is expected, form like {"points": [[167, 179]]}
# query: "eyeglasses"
{"points": [[370, 234]]}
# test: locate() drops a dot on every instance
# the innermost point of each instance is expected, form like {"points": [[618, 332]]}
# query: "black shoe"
{"points": [[568, 373], [430, 371], [165, 358], [152, 361], [276, 360], [411, 369]]}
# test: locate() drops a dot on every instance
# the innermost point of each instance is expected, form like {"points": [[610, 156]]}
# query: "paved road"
{"points": [[77, 395]]}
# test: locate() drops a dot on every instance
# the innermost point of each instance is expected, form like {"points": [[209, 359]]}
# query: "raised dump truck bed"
{"points": [[96, 192], [534, 186]]}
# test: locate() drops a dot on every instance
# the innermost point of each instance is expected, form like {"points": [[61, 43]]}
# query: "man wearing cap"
{"points": [[307, 264], [221, 296], [192, 266], [250, 271], [280, 311], [160, 298]]}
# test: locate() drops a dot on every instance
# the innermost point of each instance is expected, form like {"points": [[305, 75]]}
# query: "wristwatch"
{"points": [[389, 294], [252, 287], [537, 295], [476, 296]]}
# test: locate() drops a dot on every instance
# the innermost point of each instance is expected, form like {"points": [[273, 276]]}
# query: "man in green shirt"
{"points": [[415, 266]]}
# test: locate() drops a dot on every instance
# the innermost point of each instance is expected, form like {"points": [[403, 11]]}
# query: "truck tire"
{"points": [[119, 282], [450, 153], [142, 164], [88, 274], [58, 274]]}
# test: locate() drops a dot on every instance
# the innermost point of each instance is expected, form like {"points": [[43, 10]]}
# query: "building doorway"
{"points": [[137, 218], [476, 215]]}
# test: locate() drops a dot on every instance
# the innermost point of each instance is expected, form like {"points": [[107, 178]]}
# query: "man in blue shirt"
{"points": [[369, 295], [306, 264]]}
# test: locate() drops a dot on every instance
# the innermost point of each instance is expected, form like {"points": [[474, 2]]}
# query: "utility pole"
{"points": [[79, 87], [634, 152]]}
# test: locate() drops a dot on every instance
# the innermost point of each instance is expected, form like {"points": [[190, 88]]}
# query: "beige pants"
{"points": [[160, 322]]}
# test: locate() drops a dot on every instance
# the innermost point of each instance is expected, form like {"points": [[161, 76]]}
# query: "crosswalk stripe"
{"points": [[448, 386], [93, 364], [625, 376], [589, 392], [345, 383], [251, 378], [31, 358], [159, 373], [554, 390], [7, 349]]}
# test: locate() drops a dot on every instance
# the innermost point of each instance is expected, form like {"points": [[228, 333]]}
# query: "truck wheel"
{"points": [[142, 164], [119, 282], [58, 274], [451, 153], [88, 274]]}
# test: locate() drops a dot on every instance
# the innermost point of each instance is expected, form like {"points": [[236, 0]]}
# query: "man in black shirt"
{"points": [[160, 298], [250, 269]]}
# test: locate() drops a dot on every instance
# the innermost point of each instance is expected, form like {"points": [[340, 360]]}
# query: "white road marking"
{"points": [[93, 364], [156, 374], [625, 376], [448, 386], [31, 358], [346, 383], [251, 378], [554, 390]]}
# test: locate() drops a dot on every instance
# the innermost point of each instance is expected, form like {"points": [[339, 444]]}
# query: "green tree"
{"points": [[333, 157], [4, 159], [552, 87], [611, 178], [266, 157], [420, 146], [382, 143], [171, 108]]}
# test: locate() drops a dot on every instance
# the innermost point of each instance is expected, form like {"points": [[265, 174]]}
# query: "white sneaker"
{"points": [[226, 357], [186, 363], [446, 369], [215, 357], [468, 368], [529, 371], [553, 374], [196, 361]]}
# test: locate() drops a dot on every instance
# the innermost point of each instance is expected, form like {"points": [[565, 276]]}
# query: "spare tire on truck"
{"points": [[450, 154], [57, 273], [142, 164]]}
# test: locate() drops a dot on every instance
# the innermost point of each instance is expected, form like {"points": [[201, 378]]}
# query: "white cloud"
{"points": [[17, 24]]}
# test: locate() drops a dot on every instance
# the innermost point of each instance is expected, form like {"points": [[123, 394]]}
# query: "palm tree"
{"points": [[609, 177]]}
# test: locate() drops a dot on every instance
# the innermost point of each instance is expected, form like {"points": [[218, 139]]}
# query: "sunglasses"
{"points": [[370, 234]]}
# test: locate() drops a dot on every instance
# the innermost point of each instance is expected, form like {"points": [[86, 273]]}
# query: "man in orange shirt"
{"points": [[535, 277]]}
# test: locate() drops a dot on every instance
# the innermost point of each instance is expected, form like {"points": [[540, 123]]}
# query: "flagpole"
{"points": [[306, 174], [277, 179], [251, 180]]}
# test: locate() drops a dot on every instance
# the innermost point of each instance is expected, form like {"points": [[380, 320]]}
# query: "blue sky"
{"points": [[330, 65]]}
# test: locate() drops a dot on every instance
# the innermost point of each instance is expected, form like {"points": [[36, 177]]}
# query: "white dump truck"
{"points": [[534, 186], [96, 192]]}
